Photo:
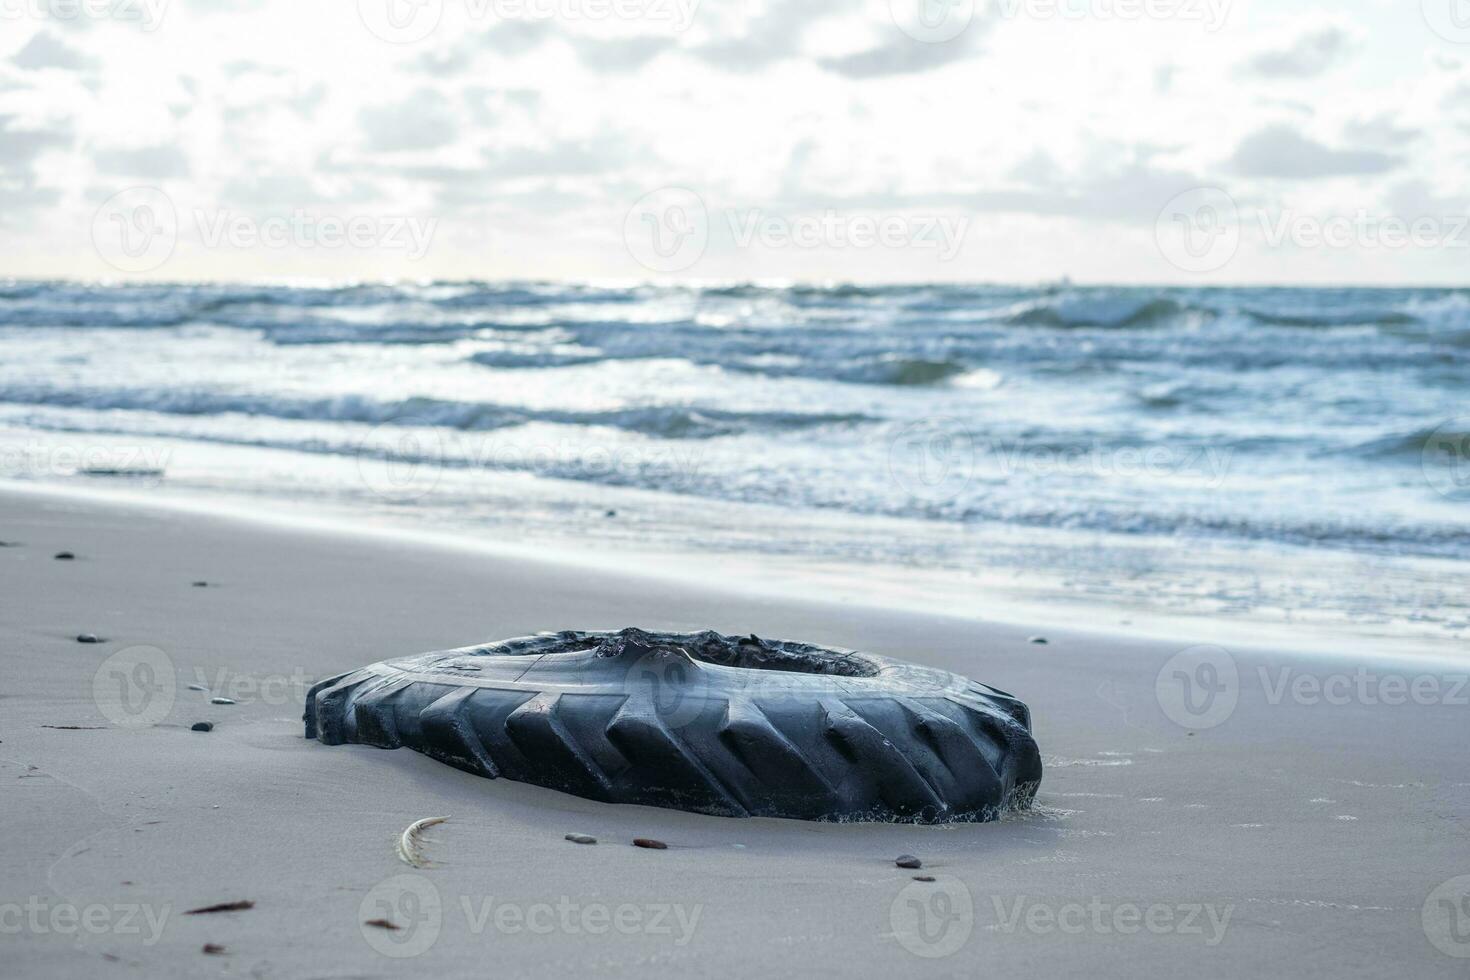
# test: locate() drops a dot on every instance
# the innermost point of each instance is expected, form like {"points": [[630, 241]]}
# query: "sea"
{"points": [[1237, 465]]}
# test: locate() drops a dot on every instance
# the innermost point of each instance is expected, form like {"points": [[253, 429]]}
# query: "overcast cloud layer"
{"points": [[810, 139]]}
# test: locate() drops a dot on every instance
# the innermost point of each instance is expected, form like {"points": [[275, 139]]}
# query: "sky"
{"points": [[1131, 141]]}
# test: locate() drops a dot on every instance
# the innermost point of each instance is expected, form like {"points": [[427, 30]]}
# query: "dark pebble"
{"points": [[909, 861], [612, 513], [201, 585], [924, 878], [202, 726], [214, 949], [581, 839], [65, 556], [89, 638], [197, 687], [652, 845], [1040, 641], [220, 701]]}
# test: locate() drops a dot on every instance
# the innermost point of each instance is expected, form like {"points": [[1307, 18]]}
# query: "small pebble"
{"points": [[923, 877], [612, 513], [581, 839], [65, 556], [89, 638], [909, 861], [197, 687], [1040, 641], [220, 701], [214, 949], [652, 845], [202, 726], [201, 585]]}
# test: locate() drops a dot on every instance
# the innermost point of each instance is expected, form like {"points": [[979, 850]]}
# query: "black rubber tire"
{"points": [[700, 722]]}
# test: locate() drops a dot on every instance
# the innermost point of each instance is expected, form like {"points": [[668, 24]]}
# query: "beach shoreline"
{"points": [[1002, 595], [1317, 805]]}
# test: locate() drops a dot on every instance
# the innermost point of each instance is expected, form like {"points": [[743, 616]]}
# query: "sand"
{"points": [[1299, 834]]}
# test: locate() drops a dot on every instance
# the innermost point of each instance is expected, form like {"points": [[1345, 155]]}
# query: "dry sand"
{"points": [[1291, 839]]}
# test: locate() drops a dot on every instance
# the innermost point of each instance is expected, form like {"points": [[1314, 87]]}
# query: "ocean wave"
{"points": [[1410, 445], [1111, 312], [1330, 319], [663, 421]]}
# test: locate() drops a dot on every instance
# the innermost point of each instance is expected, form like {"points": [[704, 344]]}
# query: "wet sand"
{"points": [[1303, 822]]}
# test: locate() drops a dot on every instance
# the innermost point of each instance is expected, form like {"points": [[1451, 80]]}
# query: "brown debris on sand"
{"points": [[240, 906]]}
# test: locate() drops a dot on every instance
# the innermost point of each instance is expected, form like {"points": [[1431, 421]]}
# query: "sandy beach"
{"points": [[1308, 821]]}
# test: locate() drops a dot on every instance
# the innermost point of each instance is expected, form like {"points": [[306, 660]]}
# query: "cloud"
{"points": [[154, 162], [45, 50], [424, 121], [19, 150], [1381, 131], [775, 35], [622, 54], [900, 55], [1281, 151], [20, 147], [1311, 54]]}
